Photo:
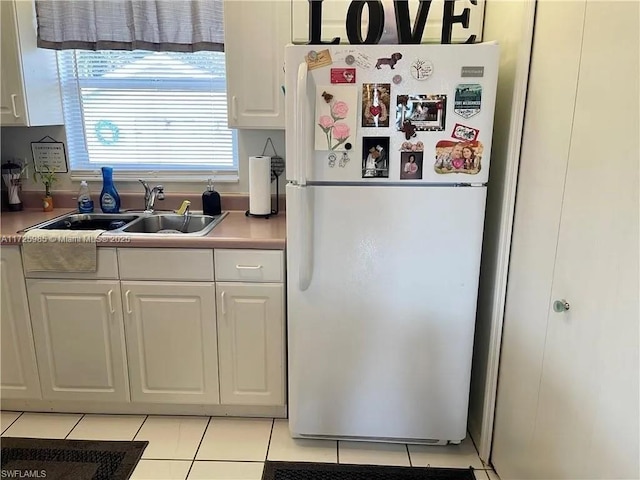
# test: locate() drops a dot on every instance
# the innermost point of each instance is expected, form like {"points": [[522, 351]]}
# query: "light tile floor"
{"points": [[212, 448]]}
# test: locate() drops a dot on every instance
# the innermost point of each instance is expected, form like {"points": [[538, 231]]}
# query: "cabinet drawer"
{"points": [[107, 268], [249, 265], [165, 264]]}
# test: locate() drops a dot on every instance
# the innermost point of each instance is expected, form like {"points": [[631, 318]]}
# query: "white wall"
{"points": [[16, 143], [510, 23]]}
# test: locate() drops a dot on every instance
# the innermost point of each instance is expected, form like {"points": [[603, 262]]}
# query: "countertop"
{"points": [[234, 231]]}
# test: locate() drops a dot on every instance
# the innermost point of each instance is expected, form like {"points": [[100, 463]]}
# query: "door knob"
{"points": [[561, 305]]}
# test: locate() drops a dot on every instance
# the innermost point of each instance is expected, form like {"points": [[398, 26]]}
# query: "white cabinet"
{"points": [[30, 92], [19, 378], [171, 342], [256, 32], [79, 338], [251, 343]]}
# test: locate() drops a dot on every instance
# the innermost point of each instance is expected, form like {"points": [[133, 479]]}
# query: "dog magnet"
{"points": [[390, 61], [343, 75], [467, 100]]}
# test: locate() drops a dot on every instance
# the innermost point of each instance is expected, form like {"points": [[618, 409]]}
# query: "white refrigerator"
{"points": [[388, 155]]}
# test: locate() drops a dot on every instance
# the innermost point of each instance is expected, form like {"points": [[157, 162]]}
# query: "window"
{"points": [[142, 111]]}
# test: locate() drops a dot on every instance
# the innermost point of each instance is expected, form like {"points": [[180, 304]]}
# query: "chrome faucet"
{"points": [[151, 195]]}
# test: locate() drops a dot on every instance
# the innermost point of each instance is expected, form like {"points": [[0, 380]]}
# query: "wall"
{"points": [[510, 23], [16, 143]]}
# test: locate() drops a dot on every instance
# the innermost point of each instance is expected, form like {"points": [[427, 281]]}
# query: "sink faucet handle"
{"points": [[160, 194], [184, 208]]}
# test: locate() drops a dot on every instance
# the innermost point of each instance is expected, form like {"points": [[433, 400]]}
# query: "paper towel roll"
{"points": [[260, 185]]}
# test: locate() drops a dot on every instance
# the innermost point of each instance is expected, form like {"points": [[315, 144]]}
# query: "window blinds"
{"points": [[142, 110]]}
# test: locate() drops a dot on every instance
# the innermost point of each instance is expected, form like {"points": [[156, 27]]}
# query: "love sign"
{"points": [[410, 29]]}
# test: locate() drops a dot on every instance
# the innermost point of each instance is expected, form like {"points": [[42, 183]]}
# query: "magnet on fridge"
{"points": [[343, 75], [375, 159], [376, 100], [467, 100], [344, 160], [397, 79], [411, 165], [462, 132], [421, 69], [458, 157], [318, 59], [332, 160], [349, 60], [391, 61]]}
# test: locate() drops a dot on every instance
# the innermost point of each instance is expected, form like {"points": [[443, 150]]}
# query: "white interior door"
{"points": [[380, 321], [571, 410]]}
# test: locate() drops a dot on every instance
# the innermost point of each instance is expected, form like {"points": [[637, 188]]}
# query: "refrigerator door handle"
{"points": [[305, 267], [301, 117]]}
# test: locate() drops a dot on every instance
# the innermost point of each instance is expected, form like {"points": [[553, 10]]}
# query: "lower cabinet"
{"points": [[79, 338], [251, 343], [19, 374], [171, 341]]}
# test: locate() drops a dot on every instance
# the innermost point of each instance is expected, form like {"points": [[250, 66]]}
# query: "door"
{"points": [[79, 336], [256, 33], [171, 341], [19, 370], [12, 107], [382, 287], [568, 404], [251, 343]]}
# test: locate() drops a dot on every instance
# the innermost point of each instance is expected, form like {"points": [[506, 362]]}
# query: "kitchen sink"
{"points": [[191, 225], [87, 221], [135, 223]]}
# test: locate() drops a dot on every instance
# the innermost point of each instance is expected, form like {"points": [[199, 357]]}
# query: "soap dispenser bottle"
{"points": [[109, 198], [211, 204]]}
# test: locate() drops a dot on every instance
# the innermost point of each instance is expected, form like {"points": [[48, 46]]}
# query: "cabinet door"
{"points": [[12, 109], [256, 33], [251, 343], [19, 370], [79, 337], [171, 342]]}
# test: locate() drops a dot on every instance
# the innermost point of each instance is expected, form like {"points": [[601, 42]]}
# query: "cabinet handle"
{"points": [[223, 304], [110, 298], [13, 105], [128, 302], [248, 267], [234, 108]]}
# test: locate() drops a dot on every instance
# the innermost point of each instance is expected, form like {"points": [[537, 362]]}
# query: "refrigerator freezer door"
{"points": [[381, 309], [453, 105]]}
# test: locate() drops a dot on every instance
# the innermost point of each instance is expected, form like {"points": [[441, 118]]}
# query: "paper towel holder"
{"points": [[277, 167]]}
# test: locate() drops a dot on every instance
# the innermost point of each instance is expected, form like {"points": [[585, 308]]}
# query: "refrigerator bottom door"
{"points": [[380, 330]]}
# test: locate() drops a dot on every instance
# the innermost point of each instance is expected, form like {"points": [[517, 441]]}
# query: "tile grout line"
{"points": [[72, 428], [193, 460], [14, 421], [266, 455], [140, 428], [406, 445], [338, 452]]}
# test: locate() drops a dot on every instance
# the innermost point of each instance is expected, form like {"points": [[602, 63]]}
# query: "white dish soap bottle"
{"points": [[85, 204]]}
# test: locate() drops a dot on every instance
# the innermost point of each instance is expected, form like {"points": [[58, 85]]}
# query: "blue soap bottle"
{"points": [[109, 198]]}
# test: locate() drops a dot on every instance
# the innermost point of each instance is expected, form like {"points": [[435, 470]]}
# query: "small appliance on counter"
{"points": [[11, 173]]}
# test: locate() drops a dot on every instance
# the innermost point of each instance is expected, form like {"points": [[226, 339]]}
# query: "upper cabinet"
{"points": [[335, 12], [256, 33], [30, 92]]}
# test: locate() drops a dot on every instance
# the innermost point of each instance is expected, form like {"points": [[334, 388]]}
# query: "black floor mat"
{"points": [[331, 471], [69, 459]]}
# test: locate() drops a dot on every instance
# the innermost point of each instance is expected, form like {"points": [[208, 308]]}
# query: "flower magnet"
{"points": [[336, 116]]}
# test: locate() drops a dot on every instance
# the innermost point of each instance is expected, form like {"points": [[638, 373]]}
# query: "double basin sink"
{"points": [[157, 223]]}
